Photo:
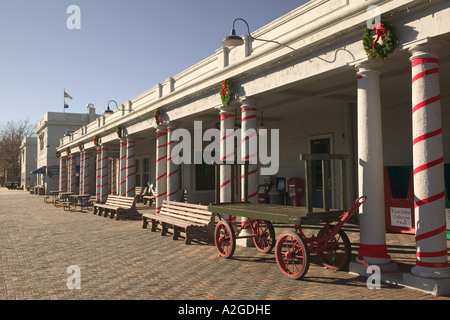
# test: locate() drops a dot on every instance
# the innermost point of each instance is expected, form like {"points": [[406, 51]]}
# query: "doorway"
{"points": [[320, 145]]}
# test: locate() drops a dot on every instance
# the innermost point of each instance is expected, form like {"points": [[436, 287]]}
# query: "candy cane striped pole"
{"points": [[428, 162], [86, 173], [98, 175], [63, 174], [161, 167], [130, 168], [122, 168], [73, 174], [103, 174], [226, 126], [249, 143], [113, 176], [173, 170], [372, 248], [81, 179]]}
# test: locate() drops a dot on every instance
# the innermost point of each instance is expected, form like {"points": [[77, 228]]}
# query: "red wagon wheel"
{"points": [[264, 238], [292, 255], [337, 251], [225, 239]]}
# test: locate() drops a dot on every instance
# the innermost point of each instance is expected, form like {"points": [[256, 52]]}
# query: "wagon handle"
{"points": [[361, 200]]}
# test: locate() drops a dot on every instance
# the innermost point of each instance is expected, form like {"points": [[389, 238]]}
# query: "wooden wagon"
{"points": [[292, 248]]}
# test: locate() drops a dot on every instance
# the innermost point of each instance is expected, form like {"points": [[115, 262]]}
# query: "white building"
{"points": [[28, 153], [50, 129], [319, 87]]}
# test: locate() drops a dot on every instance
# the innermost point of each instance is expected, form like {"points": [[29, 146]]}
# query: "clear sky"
{"points": [[122, 48]]}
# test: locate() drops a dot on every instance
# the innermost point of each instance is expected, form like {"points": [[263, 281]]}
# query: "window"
{"points": [[146, 172], [138, 173], [204, 177]]}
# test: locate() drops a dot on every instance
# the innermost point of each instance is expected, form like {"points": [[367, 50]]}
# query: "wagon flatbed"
{"points": [[277, 213]]}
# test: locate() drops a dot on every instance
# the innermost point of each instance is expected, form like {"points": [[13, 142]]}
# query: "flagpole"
{"points": [[64, 95]]}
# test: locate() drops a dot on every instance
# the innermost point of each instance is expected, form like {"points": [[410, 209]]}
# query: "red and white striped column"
{"points": [[161, 167], [372, 248], [73, 174], [173, 170], [249, 143], [104, 169], [131, 168], [226, 155], [428, 164], [123, 168], [98, 175], [63, 174], [86, 173], [113, 168]]}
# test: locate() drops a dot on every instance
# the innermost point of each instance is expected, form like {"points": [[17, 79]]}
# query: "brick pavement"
{"points": [[120, 260]]}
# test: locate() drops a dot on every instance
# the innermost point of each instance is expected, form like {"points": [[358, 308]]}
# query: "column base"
{"points": [[390, 274], [245, 242], [434, 273]]}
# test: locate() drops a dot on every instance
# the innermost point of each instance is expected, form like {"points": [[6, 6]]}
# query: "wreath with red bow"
{"points": [[226, 93], [380, 41], [95, 140], [157, 116]]}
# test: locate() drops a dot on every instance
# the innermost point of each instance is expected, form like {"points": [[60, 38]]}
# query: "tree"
{"points": [[11, 135]]}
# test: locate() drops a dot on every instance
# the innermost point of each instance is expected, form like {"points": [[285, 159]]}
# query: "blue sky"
{"points": [[122, 49]]}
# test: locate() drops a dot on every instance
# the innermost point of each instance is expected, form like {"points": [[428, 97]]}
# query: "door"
{"points": [[322, 145]]}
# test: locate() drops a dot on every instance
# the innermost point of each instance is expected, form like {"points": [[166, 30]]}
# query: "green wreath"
{"points": [[226, 93], [119, 131], [95, 140], [58, 154], [68, 151], [157, 116], [385, 32]]}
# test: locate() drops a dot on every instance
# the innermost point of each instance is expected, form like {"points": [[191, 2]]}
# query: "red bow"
{"points": [[381, 33], [224, 89]]}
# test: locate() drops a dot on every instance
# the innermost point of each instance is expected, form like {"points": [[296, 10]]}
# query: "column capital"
{"points": [[427, 49], [173, 124], [366, 66], [161, 127], [248, 101], [226, 110]]}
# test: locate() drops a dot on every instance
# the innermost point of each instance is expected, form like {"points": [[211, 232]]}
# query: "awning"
{"points": [[40, 170]]}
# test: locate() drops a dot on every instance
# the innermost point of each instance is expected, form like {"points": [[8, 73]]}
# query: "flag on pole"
{"points": [[66, 106], [66, 95]]}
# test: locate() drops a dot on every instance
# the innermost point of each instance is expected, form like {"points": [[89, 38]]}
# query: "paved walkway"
{"points": [[120, 260]]}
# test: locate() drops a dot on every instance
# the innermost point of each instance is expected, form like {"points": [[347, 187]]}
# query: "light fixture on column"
{"points": [[108, 110], [233, 40], [261, 126]]}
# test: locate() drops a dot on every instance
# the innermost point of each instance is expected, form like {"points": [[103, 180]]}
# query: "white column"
{"points": [[63, 174], [98, 174], [372, 249], [81, 180], [428, 163], [86, 172], [173, 170], [131, 168], [249, 142], [226, 123], [122, 168], [73, 174], [161, 167], [104, 168]]}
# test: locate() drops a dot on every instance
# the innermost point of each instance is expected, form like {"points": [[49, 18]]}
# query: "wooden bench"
{"points": [[195, 219], [140, 193], [118, 206], [150, 197]]}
